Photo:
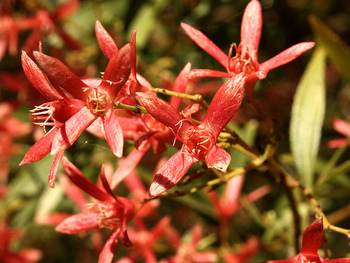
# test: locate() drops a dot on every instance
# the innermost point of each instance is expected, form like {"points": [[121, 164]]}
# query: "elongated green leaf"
{"points": [[145, 22], [49, 200], [307, 117], [335, 47]]}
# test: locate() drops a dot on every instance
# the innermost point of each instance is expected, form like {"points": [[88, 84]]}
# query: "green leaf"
{"points": [[307, 117], [145, 22], [335, 47], [49, 200]]}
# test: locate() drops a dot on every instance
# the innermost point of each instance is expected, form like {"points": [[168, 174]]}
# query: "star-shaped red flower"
{"points": [[108, 211], [199, 141], [246, 58], [71, 114]]}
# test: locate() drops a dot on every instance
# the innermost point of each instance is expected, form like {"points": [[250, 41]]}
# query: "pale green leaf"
{"points": [[307, 117], [335, 47], [49, 200], [145, 22]]}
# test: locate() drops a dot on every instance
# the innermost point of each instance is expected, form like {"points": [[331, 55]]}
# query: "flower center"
{"points": [[98, 102], [243, 62], [109, 215], [199, 142]]}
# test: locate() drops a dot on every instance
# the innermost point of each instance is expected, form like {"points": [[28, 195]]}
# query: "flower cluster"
{"points": [[182, 138]]}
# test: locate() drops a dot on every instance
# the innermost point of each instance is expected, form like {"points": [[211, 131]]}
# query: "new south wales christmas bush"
{"points": [[174, 131]]}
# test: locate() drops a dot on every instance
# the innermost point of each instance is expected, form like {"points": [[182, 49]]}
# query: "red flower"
{"points": [[71, 116], [312, 240], [189, 251], [247, 251], [109, 212], [229, 203], [49, 22], [10, 128], [246, 58], [199, 142], [11, 26], [144, 240]]}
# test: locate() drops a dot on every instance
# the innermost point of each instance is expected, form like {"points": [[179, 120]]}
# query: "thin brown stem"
{"points": [[279, 174], [294, 183]]}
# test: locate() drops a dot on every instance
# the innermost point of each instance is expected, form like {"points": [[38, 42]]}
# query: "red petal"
{"points": [[286, 56], [249, 249], [29, 255], [71, 129], [207, 73], [191, 109], [206, 44], [258, 193], [203, 257], [117, 72], [13, 40], [37, 78], [105, 41], [126, 240], [218, 158], [163, 112], [289, 260], [51, 219], [127, 166], [337, 260], [41, 148], [131, 127], [336, 143], [82, 182], [32, 41], [68, 40], [61, 76], [3, 46], [66, 9], [113, 133], [251, 29], [105, 183], [224, 105], [342, 127], [107, 252], [144, 140], [180, 86], [171, 172], [54, 168], [196, 236], [160, 228], [78, 224], [312, 237], [73, 192], [250, 85], [133, 55], [233, 190]]}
